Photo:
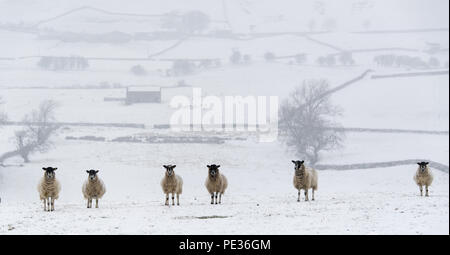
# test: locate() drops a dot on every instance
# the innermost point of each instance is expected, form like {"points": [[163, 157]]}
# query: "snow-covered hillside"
{"points": [[386, 64]]}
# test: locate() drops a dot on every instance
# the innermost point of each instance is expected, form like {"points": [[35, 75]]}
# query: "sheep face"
{"points": [[298, 164], [423, 166], [49, 172], [92, 174], [170, 169], [213, 170]]}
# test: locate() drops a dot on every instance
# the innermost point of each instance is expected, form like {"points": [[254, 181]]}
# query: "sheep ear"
{"points": [[426, 163], [218, 166], [87, 171], [54, 169], [96, 171], [293, 161], [208, 166], [418, 163], [174, 166], [44, 169]]}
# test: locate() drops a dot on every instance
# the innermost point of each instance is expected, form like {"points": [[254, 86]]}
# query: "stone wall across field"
{"points": [[411, 74], [433, 164], [78, 124]]}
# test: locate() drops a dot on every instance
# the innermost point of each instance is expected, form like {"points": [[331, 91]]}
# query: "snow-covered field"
{"points": [[364, 203], [261, 198]]}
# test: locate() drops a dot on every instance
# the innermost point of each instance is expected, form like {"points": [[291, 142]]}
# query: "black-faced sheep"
{"points": [[93, 188], [423, 177], [216, 183], [172, 184], [49, 188], [305, 178]]}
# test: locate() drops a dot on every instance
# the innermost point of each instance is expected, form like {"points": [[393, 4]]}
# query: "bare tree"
{"points": [[269, 56], [307, 120], [138, 70], [236, 57], [188, 23], [434, 62], [195, 21], [346, 58], [183, 67], [35, 136], [300, 58]]}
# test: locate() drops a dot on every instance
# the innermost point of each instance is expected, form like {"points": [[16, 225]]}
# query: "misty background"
{"points": [[362, 84]]}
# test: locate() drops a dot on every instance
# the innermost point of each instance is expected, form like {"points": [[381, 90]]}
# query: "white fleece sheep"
{"points": [[93, 188], [423, 177], [305, 178], [172, 184], [216, 183], [49, 188]]}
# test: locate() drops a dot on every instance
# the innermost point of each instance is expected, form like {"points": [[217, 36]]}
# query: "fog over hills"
{"points": [[358, 89]]}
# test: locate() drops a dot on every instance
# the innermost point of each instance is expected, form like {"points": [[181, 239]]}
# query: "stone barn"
{"points": [[143, 95]]}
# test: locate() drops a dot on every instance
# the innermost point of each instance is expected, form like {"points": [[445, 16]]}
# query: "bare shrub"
{"points": [[307, 120], [35, 136]]}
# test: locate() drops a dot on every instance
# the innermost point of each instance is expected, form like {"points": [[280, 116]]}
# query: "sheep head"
{"points": [[49, 172], [169, 169], [92, 174], [298, 164], [213, 170], [423, 166]]}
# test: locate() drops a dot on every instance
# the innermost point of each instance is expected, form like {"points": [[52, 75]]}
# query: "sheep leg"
{"points": [[216, 198], [426, 191], [96, 202], [306, 195], [173, 199], [53, 203], [178, 199], [212, 198], [220, 198], [88, 203], [298, 199], [45, 204], [421, 190], [48, 204], [167, 199], [312, 194]]}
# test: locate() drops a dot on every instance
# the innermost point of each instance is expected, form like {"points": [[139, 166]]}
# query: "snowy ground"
{"points": [[261, 198], [381, 201]]}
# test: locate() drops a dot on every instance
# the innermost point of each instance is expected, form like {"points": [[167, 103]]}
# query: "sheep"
{"points": [[93, 188], [172, 184], [49, 188], [423, 177], [216, 183], [305, 178]]}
